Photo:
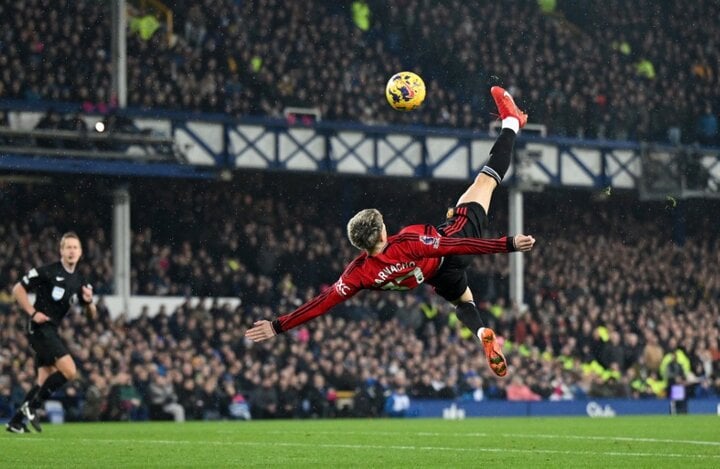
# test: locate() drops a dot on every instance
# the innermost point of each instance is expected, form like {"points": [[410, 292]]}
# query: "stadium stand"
{"points": [[648, 72], [582, 303]]}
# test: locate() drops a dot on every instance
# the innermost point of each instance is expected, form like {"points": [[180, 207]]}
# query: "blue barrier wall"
{"points": [[591, 408]]}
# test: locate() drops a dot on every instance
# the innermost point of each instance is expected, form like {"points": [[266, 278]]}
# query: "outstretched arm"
{"points": [[321, 304], [438, 246]]}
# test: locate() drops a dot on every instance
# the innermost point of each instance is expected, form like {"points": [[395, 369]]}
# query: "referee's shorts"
{"points": [[46, 343]]}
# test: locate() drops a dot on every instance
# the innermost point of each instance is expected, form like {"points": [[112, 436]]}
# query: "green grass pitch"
{"points": [[637, 442]]}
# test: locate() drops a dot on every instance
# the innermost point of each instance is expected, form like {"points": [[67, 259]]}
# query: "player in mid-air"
{"points": [[426, 253], [57, 287]]}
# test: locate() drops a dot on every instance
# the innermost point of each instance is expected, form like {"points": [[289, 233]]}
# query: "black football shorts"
{"points": [[467, 220], [46, 343]]}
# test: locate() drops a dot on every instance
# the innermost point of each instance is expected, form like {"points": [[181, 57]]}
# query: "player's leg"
{"points": [[468, 313], [490, 176], [451, 283]]}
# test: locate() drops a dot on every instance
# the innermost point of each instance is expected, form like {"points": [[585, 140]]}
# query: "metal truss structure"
{"points": [[210, 145]]}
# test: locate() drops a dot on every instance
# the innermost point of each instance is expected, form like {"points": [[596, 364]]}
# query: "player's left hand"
{"points": [[87, 293], [523, 243], [261, 330]]}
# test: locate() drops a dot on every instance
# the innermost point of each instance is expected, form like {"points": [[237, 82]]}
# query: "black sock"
{"points": [[469, 315], [17, 418], [500, 156], [54, 382]]}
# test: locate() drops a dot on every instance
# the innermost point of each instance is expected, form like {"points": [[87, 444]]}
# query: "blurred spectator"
{"points": [[264, 401], [164, 400], [518, 391], [474, 390], [707, 126], [7, 408], [123, 400], [95, 402], [397, 403]]}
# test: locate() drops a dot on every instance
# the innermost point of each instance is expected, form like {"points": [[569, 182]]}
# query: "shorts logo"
{"points": [[430, 241], [57, 293], [341, 288]]}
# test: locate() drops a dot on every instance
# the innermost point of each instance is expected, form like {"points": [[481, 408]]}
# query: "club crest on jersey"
{"points": [[430, 241], [57, 293], [341, 288]]}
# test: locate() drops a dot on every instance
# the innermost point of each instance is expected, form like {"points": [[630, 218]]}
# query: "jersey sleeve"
{"points": [[438, 246], [345, 288], [35, 277]]}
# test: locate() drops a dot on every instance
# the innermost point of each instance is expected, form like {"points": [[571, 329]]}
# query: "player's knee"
{"points": [[68, 370]]}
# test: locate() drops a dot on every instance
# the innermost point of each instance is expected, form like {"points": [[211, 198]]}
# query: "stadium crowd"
{"points": [[614, 306], [641, 70]]}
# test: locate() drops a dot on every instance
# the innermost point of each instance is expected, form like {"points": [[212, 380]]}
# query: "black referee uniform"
{"points": [[56, 290]]}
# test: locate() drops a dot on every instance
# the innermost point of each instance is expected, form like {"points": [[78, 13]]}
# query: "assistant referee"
{"points": [[57, 287]]}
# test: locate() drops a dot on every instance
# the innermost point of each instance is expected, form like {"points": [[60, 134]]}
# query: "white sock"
{"points": [[511, 123]]}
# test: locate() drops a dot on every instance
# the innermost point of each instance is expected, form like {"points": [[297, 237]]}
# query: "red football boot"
{"points": [[506, 105], [493, 352]]}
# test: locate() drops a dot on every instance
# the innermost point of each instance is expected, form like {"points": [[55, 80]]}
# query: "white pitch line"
{"points": [[520, 435], [387, 447]]}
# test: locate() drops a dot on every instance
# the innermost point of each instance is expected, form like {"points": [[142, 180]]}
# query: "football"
{"points": [[405, 91]]}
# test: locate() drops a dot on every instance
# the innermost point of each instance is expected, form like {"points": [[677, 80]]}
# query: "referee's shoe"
{"points": [[17, 428], [32, 416]]}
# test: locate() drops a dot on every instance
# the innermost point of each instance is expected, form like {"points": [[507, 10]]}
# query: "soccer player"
{"points": [[57, 286], [426, 253]]}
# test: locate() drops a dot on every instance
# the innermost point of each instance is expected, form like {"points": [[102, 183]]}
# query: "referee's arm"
{"points": [[22, 298], [87, 297]]}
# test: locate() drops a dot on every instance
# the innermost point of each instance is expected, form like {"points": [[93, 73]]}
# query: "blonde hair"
{"points": [[69, 235], [365, 228]]}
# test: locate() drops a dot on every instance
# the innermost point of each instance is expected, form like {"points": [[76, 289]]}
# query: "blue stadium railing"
{"points": [[212, 144]]}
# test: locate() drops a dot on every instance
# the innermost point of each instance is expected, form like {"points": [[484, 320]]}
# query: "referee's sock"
{"points": [[500, 155], [54, 382], [17, 418]]}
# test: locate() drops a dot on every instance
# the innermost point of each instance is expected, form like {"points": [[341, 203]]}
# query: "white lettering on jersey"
{"points": [[341, 288], [59, 279], [32, 274], [386, 272]]}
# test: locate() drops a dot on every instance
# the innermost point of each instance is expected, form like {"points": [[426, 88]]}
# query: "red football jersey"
{"points": [[410, 257]]}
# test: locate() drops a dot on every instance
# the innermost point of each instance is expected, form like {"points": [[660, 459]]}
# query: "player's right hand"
{"points": [[523, 243], [261, 330], [40, 317]]}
